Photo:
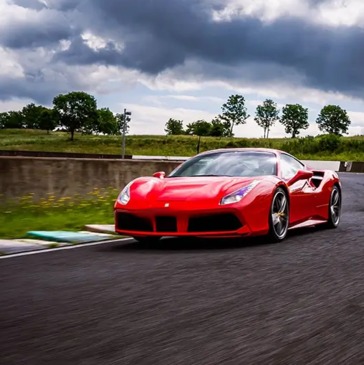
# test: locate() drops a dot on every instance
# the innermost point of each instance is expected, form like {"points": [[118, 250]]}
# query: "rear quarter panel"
{"points": [[330, 179]]}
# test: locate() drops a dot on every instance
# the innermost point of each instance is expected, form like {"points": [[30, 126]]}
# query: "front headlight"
{"points": [[124, 196], [239, 194]]}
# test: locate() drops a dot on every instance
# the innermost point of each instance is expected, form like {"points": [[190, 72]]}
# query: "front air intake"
{"points": [[131, 222], [214, 223], [166, 224]]}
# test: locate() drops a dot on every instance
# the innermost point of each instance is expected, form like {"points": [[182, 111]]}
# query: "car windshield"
{"points": [[232, 163]]}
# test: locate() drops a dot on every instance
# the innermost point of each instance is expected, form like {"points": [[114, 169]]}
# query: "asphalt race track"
{"points": [[186, 302]]}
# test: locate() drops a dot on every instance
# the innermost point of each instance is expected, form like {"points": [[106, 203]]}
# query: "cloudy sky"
{"points": [[182, 59]]}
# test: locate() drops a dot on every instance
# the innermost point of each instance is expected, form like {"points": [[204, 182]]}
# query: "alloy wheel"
{"points": [[279, 215], [335, 206]]}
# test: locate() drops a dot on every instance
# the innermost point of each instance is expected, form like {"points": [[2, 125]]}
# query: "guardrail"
{"points": [[163, 158], [352, 166], [341, 166], [61, 154]]}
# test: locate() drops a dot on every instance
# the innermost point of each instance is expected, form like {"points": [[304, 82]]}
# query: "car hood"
{"points": [[186, 188]]}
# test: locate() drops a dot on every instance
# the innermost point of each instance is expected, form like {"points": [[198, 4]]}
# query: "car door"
{"points": [[301, 192]]}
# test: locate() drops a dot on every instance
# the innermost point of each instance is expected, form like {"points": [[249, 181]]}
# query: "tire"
{"points": [[147, 240], [334, 208], [279, 216]]}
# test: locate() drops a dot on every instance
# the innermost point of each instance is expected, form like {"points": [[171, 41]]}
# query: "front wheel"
{"points": [[334, 208], [279, 216]]}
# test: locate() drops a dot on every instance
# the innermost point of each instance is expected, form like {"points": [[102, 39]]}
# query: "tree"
{"points": [[107, 123], [3, 118], [32, 114], [234, 112], [266, 115], [294, 117], [76, 110], [12, 119], [120, 123], [174, 127], [218, 128], [47, 120], [333, 120], [199, 128]]}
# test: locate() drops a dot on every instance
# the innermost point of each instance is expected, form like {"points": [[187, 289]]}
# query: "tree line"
{"points": [[332, 119], [77, 112], [73, 112]]}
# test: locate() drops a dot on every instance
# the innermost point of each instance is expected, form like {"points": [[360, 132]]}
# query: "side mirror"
{"points": [[300, 175], [159, 174]]}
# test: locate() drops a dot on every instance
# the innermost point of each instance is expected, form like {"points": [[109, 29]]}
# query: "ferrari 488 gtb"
{"points": [[229, 193]]}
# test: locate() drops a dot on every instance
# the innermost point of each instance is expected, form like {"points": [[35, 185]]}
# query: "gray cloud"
{"points": [[32, 87], [67, 5], [164, 34], [30, 35], [41, 27], [79, 53], [30, 4]]}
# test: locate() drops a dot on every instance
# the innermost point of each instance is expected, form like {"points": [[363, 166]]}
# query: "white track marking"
{"points": [[63, 248]]}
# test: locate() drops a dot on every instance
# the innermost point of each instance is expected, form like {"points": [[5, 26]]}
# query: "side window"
{"points": [[289, 166]]}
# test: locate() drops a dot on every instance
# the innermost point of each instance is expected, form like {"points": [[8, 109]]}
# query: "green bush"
{"points": [[330, 143]]}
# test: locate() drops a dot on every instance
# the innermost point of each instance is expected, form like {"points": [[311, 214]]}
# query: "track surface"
{"points": [[220, 302]]}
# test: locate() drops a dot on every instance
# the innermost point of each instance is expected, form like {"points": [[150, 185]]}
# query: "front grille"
{"points": [[214, 223], [131, 222], [166, 224]]}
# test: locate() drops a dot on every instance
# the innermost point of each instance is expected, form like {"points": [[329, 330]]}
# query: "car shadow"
{"points": [[189, 244]]}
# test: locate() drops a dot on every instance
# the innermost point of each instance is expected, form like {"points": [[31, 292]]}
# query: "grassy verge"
{"points": [[18, 217], [318, 148]]}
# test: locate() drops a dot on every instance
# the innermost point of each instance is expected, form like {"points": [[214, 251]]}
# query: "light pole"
{"points": [[126, 120]]}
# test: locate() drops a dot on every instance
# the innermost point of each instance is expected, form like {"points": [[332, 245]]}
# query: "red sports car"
{"points": [[229, 193]]}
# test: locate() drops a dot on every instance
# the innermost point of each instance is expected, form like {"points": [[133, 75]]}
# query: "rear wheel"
{"points": [[334, 208], [279, 216]]}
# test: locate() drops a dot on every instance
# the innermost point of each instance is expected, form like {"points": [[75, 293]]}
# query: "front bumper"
{"points": [[222, 222]]}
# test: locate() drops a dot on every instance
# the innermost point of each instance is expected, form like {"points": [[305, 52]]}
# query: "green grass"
{"points": [[318, 148], [23, 215]]}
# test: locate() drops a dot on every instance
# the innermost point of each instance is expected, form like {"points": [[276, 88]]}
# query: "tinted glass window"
{"points": [[234, 163], [289, 166]]}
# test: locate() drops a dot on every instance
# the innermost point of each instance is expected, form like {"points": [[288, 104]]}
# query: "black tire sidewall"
{"points": [[272, 233], [330, 221]]}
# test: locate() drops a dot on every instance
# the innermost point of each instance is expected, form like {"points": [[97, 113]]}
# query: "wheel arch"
{"points": [[286, 190], [338, 185]]}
